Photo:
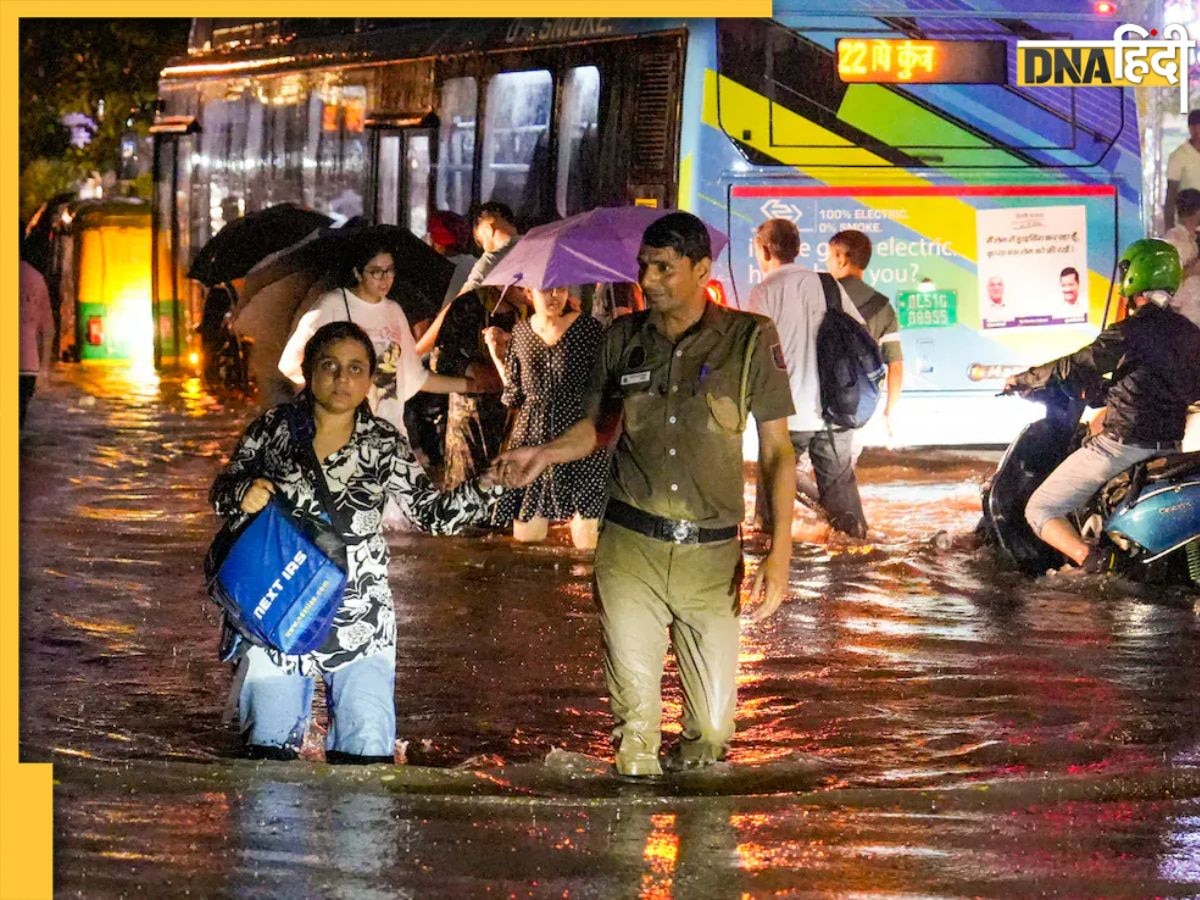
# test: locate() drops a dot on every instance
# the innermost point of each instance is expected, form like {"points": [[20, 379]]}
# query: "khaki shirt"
{"points": [[679, 453]]}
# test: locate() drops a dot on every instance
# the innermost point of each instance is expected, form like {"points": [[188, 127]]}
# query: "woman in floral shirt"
{"points": [[365, 460]]}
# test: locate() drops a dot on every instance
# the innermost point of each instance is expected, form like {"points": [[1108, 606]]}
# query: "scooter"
{"points": [[1147, 518]]}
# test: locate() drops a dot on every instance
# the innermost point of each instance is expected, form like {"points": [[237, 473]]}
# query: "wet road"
{"points": [[914, 722]]}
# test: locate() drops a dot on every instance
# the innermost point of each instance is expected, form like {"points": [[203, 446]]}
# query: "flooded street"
{"points": [[914, 721]]}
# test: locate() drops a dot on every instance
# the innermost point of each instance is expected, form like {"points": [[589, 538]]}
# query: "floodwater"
{"points": [[914, 722]]}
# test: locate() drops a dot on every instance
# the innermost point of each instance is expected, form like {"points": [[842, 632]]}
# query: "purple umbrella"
{"points": [[600, 245]]}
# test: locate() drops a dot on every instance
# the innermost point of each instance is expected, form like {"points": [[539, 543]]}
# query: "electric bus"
{"points": [[996, 211]]}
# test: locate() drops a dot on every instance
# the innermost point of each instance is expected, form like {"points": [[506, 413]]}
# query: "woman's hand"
{"points": [[258, 495], [520, 467], [488, 478], [497, 340]]}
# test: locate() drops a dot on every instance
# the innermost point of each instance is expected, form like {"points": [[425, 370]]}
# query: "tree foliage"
{"points": [[103, 68]]}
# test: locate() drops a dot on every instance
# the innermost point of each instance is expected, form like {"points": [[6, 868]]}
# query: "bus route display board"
{"points": [[904, 61]]}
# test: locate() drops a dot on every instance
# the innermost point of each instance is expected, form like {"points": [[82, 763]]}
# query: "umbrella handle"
{"points": [[503, 294]]}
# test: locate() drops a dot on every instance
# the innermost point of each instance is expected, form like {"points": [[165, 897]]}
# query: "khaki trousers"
{"points": [[647, 589]]}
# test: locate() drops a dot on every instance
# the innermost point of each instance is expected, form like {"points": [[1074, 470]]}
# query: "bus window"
{"points": [[257, 188], [223, 182], [387, 186], [416, 163], [577, 141], [287, 127], [516, 141], [402, 164], [308, 148], [456, 156], [341, 154]]}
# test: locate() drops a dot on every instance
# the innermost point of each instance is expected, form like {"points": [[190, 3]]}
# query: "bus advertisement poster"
{"points": [[1030, 243], [908, 248], [1032, 265]]}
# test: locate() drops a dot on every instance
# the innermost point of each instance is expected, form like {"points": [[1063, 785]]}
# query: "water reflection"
{"points": [[660, 851], [296, 832], [914, 720]]}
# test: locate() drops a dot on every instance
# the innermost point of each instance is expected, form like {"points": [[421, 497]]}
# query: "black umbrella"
{"points": [[244, 242], [417, 264]]}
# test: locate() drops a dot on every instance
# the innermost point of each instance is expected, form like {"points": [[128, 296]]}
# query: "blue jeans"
{"points": [[1079, 476], [274, 706]]}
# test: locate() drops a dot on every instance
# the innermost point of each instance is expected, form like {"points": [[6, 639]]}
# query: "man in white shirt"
{"points": [[1182, 236], [1183, 167], [1186, 300], [792, 296]]}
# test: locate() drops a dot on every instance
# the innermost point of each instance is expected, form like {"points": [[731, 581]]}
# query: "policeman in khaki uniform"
{"points": [[681, 377]]}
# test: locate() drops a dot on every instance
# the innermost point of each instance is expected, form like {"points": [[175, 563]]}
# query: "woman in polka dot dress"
{"points": [[545, 367]]}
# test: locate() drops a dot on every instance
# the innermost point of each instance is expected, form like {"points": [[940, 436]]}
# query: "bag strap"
{"points": [[312, 467], [743, 396], [874, 304], [833, 301], [346, 301], [833, 297]]}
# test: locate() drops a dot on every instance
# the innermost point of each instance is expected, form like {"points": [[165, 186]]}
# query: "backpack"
{"points": [[869, 310], [849, 363]]}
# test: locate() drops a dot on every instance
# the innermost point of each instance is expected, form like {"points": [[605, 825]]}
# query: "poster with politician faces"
{"points": [[1032, 266]]}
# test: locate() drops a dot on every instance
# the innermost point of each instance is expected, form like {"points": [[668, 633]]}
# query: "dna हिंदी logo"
{"points": [[1134, 57]]}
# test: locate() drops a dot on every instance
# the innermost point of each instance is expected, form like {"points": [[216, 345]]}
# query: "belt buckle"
{"points": [[680, 531]]}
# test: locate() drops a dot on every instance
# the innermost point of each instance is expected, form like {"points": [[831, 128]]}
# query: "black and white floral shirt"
{"points": [[377, 462]]}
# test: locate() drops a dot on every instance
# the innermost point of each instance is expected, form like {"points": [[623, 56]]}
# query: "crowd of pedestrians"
{"points": [[618, 410]]}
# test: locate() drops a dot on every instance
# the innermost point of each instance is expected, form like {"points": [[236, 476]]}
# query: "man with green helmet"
{"points": [[1145, 370]]}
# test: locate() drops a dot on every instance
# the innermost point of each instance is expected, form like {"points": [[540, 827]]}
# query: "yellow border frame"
{"points": [[26, 797]]}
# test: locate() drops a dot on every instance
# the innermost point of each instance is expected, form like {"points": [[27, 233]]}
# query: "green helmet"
{"points": [[1149, 265]]}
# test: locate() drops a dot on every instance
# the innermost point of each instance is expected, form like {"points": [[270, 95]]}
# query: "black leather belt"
{"points": [[1161, 446], [675, 531]]}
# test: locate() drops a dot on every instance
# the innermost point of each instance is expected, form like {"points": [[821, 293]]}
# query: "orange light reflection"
{"points": [[660, 853]]}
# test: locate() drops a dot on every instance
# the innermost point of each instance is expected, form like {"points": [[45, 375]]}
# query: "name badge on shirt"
{"points": [[629, 378]]}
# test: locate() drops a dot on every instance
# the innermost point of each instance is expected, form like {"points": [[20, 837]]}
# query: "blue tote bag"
{"points": [[279, 577]]}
